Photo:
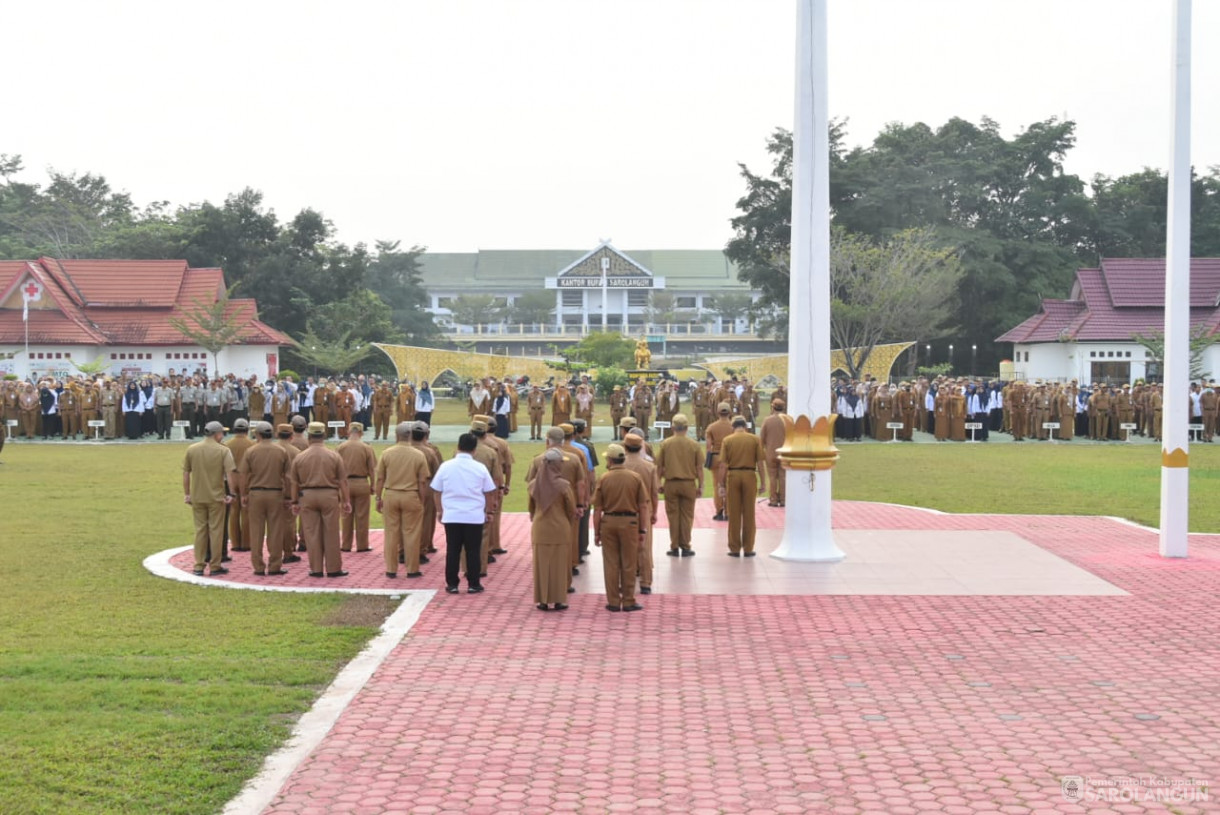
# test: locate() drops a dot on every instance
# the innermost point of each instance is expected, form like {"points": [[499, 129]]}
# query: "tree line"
{"points": [[333, 298], [997, 223]]}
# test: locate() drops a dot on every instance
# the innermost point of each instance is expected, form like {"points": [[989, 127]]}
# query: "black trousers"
{"points": [[459, 538]]}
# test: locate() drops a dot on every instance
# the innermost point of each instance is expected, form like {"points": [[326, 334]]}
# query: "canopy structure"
{"points": [[880, 364], [418, 364]]}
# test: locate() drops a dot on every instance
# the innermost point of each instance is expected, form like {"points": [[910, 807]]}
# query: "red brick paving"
{"points": [[759, 704]]}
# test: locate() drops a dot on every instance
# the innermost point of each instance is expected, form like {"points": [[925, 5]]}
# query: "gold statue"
{"points": [[643, 356]]}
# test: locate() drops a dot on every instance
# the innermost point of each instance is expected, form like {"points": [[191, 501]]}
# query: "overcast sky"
{"points": [[467, 124]]}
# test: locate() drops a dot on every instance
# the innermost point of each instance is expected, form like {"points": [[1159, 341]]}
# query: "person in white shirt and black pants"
{"points": [[462, 489]]}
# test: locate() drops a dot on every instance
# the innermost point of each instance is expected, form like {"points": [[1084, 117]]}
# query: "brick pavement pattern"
{"points": [[764, 704]]}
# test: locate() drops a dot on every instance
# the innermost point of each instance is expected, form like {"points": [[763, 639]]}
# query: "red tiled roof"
{"points": [[128, 303], [1122, 298]]}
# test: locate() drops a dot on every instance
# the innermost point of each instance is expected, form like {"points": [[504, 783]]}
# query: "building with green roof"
{"points": [[596, 288]]}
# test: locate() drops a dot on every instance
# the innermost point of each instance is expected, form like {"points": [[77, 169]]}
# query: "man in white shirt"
{"points": [[462, 489]]}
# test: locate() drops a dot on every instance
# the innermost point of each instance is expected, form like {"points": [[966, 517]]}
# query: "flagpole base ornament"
{"points": [[808, 449]]}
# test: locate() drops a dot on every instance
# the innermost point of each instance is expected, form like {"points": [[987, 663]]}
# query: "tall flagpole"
{"points": [[807, 533], [1175, 444]]}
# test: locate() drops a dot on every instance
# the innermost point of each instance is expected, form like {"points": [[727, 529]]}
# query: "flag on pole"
{"points": [[31, 292]]}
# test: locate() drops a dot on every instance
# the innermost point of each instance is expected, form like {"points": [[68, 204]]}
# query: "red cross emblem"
{"points": [[32, 290]]}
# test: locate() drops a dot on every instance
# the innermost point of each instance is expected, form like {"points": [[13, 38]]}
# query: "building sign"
{"points": [[613, 282]]}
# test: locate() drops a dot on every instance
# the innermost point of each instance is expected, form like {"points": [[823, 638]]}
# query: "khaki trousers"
{"points": [[427, 526], [775, 474], [381, 424], [357, 524], [535, 424], [264, 522], [741, 488], [209, 532], [680, 511], [643, 560], [320, 520], [239, 526], [402, 512], [717, 484], [620, 547]]}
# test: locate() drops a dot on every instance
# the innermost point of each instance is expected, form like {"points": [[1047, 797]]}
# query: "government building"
{"points": [[118, 315], [1090, 336], [594, 289]]}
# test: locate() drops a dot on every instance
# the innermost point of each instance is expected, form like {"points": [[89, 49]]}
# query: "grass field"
{"points": [[123, 692]]}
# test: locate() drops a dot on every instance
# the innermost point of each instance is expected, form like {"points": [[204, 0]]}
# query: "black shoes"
{"points": [[293, 559], [277, 572], [688, 553], [645, 589], [561, 606], [575, 571], [452, 590], [751, 554], [499, 551], [316, 574], [221, 570], [415, 574], [673, 553], [259, 573], [475, 590], [720, 516], [734, 554], [336, 574], [571, 589], [198, 572], [633, 607], [542, 607], [392, 575], [490, 559], [615, 609], [423, 559]]}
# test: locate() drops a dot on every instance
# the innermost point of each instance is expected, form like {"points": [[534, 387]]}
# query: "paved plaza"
{"points": [[1029, 664]]}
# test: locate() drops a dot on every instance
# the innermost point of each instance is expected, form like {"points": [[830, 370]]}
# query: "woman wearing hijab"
{"points": [[552, 507], [502, 407], [133, 410], [423, 403]]}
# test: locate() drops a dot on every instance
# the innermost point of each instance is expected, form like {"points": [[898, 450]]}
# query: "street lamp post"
{"points": [[974, 352], [950, 357]]}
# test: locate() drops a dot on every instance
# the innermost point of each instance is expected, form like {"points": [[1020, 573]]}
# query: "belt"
{"points": [[357, 476], [751, 469], [713, 452], [679, 479], [621, 514], [270, 489], [303, 489], [396, 489]]}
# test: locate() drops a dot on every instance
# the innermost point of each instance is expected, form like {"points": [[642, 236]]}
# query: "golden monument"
{"points": [[643, 356]]}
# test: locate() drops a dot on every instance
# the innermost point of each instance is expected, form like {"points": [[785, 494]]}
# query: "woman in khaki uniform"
{"points": [[552, 506]]}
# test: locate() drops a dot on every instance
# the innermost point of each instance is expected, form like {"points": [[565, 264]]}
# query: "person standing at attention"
{"points": [[462, 492], [741, 456], [205, 481]]}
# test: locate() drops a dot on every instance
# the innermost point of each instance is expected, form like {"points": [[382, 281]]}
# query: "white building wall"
{"points": [[57, 360], [1065, 361]]}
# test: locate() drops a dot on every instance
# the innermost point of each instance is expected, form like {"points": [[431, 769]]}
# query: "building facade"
{"points": [[118, 315], [1091, 335], [602, 287]]}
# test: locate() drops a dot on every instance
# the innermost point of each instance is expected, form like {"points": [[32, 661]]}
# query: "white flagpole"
{"points": [[1175, 444], [807, 532]]}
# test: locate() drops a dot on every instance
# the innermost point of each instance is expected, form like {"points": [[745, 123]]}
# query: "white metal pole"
{"points": [[605, 292], [1175, 444], [807, 532]]}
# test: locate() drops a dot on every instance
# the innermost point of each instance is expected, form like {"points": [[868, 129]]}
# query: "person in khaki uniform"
{"points": [[668, 404], [344, 403], [206, 470], [28, 406], [404, 404], [741, 456], [110, 409], [1099, 402], [715, 434], [680, 467], [647, 472], [487, 455], [361, 464], [574, 472], [69, 412], [641, 406], [90, 401], [504, 455], [536, 404], [700, 403], [1208, 403], [383, 406], [618, 409], [239, 517], [620, 523], [263, 476], [569, 435], [583, 403], [561, 406], [319, 496], [427, 525], [771, 434], [288, 528], [552, 505], [400, 473]]}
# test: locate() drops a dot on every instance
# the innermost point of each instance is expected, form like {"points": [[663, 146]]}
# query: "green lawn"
{"points": [[123, 692]]}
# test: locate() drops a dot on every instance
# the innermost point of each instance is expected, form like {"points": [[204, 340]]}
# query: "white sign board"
{"points": [[1050, 425], [894, 425], [974, 425], [1128, 426], [660, 425]]}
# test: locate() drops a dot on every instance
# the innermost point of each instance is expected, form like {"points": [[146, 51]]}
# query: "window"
{"points": [[114, 356], [685, 302], [1111, 372], [444, 302], [1128, 355], [67, 355], [637, 299], [573, 299]]}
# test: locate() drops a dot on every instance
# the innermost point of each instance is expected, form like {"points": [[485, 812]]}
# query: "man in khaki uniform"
{"points": [[263, 476], [680, 467], [504, 455], [618, 409], [620, 523], [406, 405], [667, 405], [427, 525], [319, 496], [569, 435], [536, 404], [400, 473], [239, 517], [487, 455], [641, 404], [1208, 403], [361, 464], [383, 406], [741, 456], [288, 527], [206, 470], [647, 472], [90, 401], [771, 434], [110, 409], [715, 434]]}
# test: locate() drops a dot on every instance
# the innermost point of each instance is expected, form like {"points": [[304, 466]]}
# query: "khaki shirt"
{"points": [[486, 455], [208, 462], [402, 468], [319, 466], [648, 474], [679, 459], [716, 433], [239, 444], [771, 434], [358, 458], [265, 466], [621, 490], [742, 451]]}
